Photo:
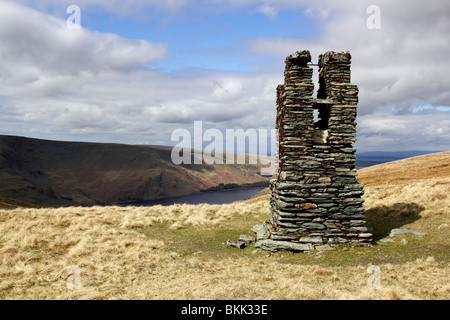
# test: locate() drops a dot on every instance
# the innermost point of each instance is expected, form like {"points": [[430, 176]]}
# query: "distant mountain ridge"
{"points": [[57, 173], [370, 158]]}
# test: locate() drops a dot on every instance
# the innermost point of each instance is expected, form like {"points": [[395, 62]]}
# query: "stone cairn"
{"points": [[316, 200]]}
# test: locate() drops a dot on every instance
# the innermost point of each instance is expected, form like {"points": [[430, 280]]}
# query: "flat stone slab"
{"points": [[259, 230], [257, 227], [236, 244], [246, 238], [324, 247], [274, 245], [398, 231]]}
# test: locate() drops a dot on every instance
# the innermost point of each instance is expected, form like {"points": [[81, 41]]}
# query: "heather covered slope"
{"points": [[56, 173], [179, 251]]}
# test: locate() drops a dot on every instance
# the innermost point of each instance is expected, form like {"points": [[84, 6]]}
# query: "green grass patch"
{"points": [[207, 240]]}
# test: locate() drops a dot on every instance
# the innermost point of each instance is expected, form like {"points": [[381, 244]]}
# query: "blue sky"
{"points": [[200, 41], [139, 69]]}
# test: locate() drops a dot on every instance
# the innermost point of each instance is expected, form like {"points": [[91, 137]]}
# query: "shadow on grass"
{"points": [[385, 218]]}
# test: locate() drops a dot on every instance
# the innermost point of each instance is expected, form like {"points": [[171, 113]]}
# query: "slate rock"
{"points": [[398, 231], [273, 245], [236, 244], [246, 238]]}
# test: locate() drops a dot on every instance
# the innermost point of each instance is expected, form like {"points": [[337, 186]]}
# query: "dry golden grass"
{"points": [[178, 252], [425, 167], [415, 188]]}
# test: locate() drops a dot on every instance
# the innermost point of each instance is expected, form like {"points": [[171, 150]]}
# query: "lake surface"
{"points": [[217, 197]]}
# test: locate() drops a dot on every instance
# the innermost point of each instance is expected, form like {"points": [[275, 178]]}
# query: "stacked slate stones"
{"points": [[316, 200]]}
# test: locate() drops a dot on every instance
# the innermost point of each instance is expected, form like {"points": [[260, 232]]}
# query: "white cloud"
{"points": [[43, 43], [65, 79], [89, 84], [267, 10], [137, 9], [422, 130], [227, 90]]}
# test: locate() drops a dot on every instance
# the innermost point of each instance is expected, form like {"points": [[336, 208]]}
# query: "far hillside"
{"points": [[57, 173], [371, 158]]}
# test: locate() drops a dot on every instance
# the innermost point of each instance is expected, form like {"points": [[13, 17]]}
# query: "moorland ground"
{"points": [[180, 252]]}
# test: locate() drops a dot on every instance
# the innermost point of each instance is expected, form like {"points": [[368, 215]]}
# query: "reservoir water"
{"points": [[217, 197]]}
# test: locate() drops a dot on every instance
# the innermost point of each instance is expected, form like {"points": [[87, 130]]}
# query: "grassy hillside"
{"points": [[371, 158], [179, 252], [55, 173], [13, 203]]}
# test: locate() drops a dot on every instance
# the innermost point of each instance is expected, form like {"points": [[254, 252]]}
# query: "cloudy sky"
{"points": [[136, 70]]}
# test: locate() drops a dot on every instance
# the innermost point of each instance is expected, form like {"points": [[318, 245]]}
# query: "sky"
{"points": [[137, 70]]}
